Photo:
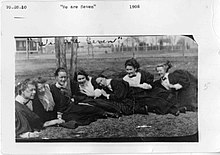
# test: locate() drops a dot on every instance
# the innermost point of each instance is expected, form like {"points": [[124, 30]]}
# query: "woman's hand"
{"points": [[98, 93], [72, 99], [88, 93], [105, 94], [59, 121], [34, 134], [145, 86], [53, 122], [175, 86]]}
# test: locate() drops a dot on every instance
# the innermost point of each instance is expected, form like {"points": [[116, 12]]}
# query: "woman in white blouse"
{"points": [[85, 90], [180, 83]]}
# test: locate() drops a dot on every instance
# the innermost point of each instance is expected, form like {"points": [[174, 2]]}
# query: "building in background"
{"points": [[28, 44]]}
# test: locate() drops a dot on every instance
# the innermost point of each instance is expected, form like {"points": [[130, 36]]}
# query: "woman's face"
{"points": [[29, 92], [41, 88], [101, 81], [161, 71], [81, 79], [61, 78], [130, 70]]}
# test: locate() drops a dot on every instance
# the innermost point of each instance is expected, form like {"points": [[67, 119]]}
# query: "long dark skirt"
{"points": [[82, 114], [157, 100], [128, 107], [125, 106], [188, 98]]}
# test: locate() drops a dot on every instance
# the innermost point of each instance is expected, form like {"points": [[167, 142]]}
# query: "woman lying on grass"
{"points": [[117, 92], [81, 113], [85, 89], [27, 123]]}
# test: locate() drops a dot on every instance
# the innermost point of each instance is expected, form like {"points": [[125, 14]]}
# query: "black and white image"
{"points": [[107, 88], [109, 77]]}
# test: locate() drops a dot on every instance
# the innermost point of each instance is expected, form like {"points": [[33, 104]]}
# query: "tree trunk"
{"points": [[63, 53], [57, 51], [92, 51], [73, 58], [133, 50], [41, 47]]}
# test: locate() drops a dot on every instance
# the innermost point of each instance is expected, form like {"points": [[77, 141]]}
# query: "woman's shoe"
{"points": [[174, 111], [182, 109], [142, 110], [177, 113]]}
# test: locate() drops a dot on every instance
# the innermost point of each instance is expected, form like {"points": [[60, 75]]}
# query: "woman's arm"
{"points": [[144, 86], [179, 79], [95, 93], [120, 90], [176, 86], [103, 92], [53, 122], [146, 81], [34, 134], [146, 77]]}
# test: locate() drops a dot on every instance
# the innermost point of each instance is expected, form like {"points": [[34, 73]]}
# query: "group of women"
{"points": [[38, 104]]}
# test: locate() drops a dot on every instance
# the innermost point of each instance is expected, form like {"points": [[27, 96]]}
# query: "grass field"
{"points": [[127, 126]]}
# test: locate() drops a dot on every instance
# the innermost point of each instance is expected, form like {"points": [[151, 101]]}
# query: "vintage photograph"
{"points": [[128, 88]]}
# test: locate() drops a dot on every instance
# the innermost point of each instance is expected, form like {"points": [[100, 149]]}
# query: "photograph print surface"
{"points": [[149, 93]]}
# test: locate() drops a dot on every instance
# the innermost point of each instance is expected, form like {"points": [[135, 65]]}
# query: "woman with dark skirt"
{"points": [[27, 122], [85, 89], [145, 94], [82, 113], [118, 93], [181, 83]]}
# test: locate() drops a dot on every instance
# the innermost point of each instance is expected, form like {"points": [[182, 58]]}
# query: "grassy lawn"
{"points": [[151, 125], [137, 125]]}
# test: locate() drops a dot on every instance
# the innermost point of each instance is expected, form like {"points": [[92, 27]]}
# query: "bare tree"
{"points": [[57, 51], [40, 47], [173, 42], [88, 39], [61, 47], [60, 51], [90, 46], [63, 50], [92, 50], [27, 48], [73, 57]]}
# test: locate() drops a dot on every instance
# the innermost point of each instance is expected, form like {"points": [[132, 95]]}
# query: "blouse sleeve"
{"points": [[26, 120], [157, 83], [120, 90], [95, 84], [21, 124], [74, 88], [147, 77], [180, 77]]}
